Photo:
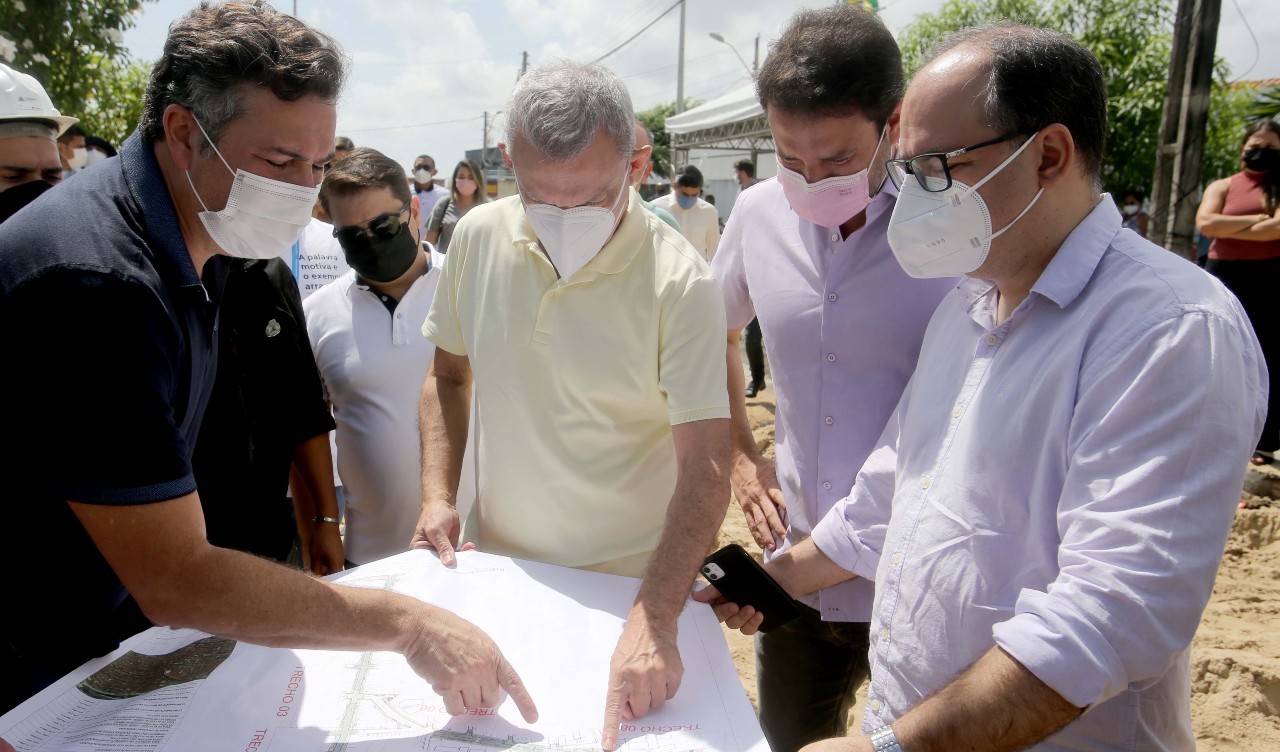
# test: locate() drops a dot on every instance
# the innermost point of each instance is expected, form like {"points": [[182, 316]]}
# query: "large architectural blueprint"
{"points": [[185, 690]]}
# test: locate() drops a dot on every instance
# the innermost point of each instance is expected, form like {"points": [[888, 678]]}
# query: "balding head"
{"points": [[1023, 78]]}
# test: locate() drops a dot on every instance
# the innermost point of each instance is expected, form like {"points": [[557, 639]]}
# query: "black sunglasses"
{"points": [[383, 226], [932, 170]]}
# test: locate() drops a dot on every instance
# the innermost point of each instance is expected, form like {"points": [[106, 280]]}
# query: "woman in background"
{"points": [[1239, 213], [465, 192]]}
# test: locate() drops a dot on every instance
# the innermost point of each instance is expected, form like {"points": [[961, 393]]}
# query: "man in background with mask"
{"points": [[806, 253], [29, 128], [699, 220], [426, 190], [364, 331], [125, 295], [72, 151], [588, 328], [1048, 505]]}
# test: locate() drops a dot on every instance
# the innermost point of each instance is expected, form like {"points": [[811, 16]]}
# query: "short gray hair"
{"points": [[560, 106]]}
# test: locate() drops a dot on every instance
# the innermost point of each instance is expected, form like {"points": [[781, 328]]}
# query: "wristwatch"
{"points": [[883, 740], [320, 518]]}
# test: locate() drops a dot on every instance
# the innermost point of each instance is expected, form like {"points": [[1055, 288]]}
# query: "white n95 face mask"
{"points": [[79, 158], [263, 218], [946, 234], [572, 237]]}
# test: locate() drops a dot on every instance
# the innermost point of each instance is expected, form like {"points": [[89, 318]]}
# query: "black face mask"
{"points": [[1261, 159], [19, 196], [381, 258]]}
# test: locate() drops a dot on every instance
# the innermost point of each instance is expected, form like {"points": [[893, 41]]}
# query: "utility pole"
{"points": [[755, 63], [484, 149], [1180, 151], [524, 64], [680, 65]]}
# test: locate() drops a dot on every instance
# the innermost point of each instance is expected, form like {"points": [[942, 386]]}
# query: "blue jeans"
{"points": [[807, 673]]}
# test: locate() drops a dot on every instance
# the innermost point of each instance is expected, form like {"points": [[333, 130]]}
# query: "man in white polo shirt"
{"points": [[593, 335], [364, 333]]}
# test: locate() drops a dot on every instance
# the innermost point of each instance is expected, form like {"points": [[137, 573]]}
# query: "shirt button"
{"points": [[830, 420], [992, 339], [832, 297], [875, 705], [831, 357], [835, 237], [897, 558], [925, 483], [884, 634], [826, 485], [956, 412]]}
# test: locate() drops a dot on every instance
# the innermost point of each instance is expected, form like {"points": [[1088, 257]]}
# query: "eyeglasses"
{"points": [[932, 170], [428, 168], [383, 226]]}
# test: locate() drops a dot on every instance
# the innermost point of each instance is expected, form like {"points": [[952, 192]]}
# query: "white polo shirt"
{"points": [[578, 382], [373, 364], [700, 223]]}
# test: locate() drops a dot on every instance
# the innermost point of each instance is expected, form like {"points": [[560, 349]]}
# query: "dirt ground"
{"points": [[1235, 656]]}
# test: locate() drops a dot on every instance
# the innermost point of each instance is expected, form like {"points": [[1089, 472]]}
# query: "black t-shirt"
{"points": [[267, 400], [109, 335]]}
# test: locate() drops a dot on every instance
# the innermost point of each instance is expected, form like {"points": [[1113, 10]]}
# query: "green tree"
{"points": [[1133, 42], [75, 49], [655, 119], [917, 38], [116, 105]]}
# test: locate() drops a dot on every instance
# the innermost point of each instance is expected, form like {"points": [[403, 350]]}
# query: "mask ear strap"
{"points": [[193, 189], [211, 144], [1003, 164], [1001, 231]]}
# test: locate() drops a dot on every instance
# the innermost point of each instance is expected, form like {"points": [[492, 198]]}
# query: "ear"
{"points": [[895, 120], [1057, 154], [182, 137], [415, 212], [506, 156]]}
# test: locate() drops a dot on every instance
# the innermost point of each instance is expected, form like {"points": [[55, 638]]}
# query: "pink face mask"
{"points": [[830, 202], [465, 186], [826, 203]]}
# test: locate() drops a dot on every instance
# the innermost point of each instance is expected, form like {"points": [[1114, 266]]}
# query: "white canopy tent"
{"points": [[733, 122]]}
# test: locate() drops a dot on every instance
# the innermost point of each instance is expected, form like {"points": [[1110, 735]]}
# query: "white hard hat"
{"points": [[23, 98]]}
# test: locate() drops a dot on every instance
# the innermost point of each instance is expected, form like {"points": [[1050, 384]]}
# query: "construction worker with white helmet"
{"points": [[29, 128]]}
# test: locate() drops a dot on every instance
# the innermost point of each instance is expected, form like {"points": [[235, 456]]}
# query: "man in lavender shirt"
{"points": [[806, 254], [1047, 509]]}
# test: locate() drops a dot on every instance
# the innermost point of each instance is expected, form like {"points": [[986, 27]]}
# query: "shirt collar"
{"points": [[1073, 265], [616, 255], [147, 186]]}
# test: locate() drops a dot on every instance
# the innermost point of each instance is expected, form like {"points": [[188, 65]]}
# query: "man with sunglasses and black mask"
{"points": [[806, 254], [1046, 510], [364, 330]]}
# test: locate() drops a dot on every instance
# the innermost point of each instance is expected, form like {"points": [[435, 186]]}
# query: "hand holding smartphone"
{"points": [[741, 580]]}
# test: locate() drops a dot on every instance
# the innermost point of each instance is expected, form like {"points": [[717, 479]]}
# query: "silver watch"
{"points": [[883, 740]]}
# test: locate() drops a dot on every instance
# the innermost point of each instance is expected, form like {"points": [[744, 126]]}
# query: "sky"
{"points": [[424, 73]]}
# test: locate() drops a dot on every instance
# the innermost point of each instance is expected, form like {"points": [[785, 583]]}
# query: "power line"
{"points": [[645, 28], [1257, 52]]}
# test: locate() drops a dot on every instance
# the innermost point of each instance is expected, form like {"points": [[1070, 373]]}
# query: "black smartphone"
{"points": [[741, 579]]}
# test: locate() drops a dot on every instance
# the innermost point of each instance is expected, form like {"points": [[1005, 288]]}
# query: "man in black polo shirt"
{"points": [[267, 409], [108, 317]]}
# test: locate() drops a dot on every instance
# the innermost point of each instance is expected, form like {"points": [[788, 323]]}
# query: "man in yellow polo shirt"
{"points": [[593, 335]]}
